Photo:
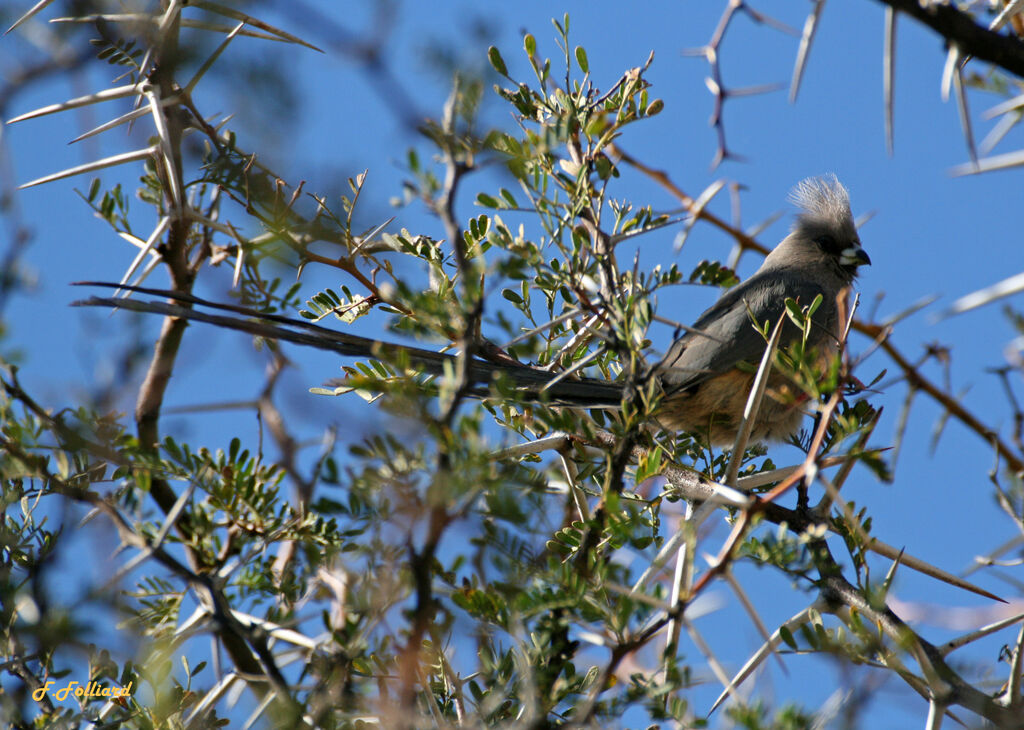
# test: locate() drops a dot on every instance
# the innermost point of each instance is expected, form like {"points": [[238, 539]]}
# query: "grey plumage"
{"points": [[704, 390]]}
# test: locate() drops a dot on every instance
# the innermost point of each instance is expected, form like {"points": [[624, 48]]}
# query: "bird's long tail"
{"points": [[532, 383]]}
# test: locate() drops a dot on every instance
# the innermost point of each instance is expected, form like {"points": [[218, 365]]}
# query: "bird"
{"points": [[706, 376], [707, 372]]}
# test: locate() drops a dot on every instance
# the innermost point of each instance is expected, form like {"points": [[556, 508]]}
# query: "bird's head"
{"points": [[824, 232]]}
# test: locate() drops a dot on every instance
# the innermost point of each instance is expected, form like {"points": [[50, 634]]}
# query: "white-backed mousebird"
{"points": [[707, 372]]}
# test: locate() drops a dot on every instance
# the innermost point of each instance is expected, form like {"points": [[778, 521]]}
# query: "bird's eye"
{"points": [[827, 243]]}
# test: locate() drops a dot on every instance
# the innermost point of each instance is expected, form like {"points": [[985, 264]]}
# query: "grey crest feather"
{"points": [[823, 201]]}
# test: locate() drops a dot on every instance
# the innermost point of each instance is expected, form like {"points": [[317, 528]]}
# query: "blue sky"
{"points": [[930, 234]]}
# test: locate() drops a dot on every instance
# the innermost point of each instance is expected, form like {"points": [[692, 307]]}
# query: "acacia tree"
{"points": [[500, 562]]}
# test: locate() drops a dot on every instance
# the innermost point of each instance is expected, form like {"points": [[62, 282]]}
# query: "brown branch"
{"points": [[662, 178], [421, 562], [154, 386], [948, 402], [711, 52], [837, 589], [959, 28], [472, 295], [838, 592], [229, 629], [422, 572], [175, 253]]}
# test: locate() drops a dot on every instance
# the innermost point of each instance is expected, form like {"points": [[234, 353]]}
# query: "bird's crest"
{"points": [[822, 201]]}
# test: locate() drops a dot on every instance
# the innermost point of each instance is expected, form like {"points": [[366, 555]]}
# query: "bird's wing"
{"points": [[724, 335]]}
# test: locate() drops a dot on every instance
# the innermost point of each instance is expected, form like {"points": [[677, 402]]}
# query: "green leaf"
{"points": [[512, 296], [794, 313], [509, 198], [494, 56], [487, 201], [581, 59], [787, 636], [814, 305]]}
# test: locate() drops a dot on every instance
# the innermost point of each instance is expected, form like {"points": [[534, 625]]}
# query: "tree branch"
{"points": [[959, 28]]}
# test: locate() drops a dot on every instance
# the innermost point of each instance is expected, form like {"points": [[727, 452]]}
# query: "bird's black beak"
{"points": [[854, 256]]}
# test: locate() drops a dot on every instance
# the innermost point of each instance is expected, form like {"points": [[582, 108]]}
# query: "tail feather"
{"points": [[535, 384]]}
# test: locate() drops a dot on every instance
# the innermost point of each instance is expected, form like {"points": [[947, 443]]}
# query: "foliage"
{"points": [[443, 574]]}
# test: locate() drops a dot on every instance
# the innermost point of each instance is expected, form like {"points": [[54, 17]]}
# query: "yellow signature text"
{"points": [[76, 689]]}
